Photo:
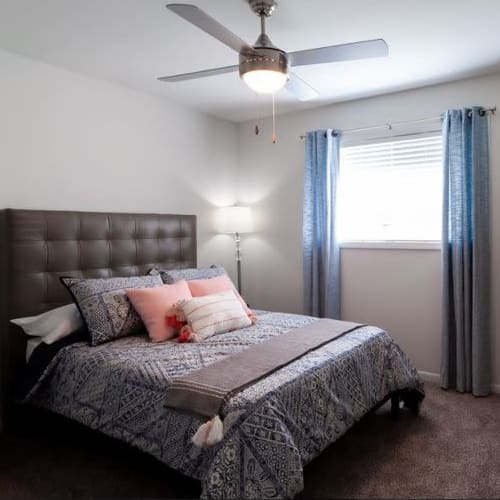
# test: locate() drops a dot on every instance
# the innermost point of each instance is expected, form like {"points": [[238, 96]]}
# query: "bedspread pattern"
{"points": [[272, 429]]}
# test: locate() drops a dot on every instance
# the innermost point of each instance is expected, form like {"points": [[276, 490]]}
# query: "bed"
{"points": [[272, 428]]}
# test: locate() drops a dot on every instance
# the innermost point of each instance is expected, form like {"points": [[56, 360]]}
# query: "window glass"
{"points": [[391, 190]]}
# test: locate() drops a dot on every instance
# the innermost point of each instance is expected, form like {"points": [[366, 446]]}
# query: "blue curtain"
{"points": [[465, 361], [320, 247]]}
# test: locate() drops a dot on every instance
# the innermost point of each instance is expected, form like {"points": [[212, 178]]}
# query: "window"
{"points": [[391, 190]]}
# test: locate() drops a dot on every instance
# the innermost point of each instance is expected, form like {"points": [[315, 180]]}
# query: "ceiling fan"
{"points": [[264, 67]]}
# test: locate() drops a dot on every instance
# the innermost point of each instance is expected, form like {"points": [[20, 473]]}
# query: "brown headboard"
{"points": [[37, 247]]}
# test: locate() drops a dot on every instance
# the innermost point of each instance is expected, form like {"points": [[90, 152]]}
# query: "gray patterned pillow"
{"points": [[170, 276], [105, 307]]}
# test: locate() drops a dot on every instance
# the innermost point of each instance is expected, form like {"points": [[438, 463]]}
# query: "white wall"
{"points": [[72, 142], [396, 289]]}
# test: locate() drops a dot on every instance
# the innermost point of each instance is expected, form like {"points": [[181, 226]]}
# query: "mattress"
{"points": [[272, 429]]}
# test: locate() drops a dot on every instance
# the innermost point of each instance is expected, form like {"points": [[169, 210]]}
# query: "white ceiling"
{"points": [[134, 41]]}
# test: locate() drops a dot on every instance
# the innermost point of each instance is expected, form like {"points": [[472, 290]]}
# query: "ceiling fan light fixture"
{"points": [[266, 70], [265, 81]]}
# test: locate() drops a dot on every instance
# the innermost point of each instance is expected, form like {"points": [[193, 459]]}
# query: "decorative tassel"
{"points": [[185, 334], [209, 433], [170, 321], [195, 337], [179, 313]]}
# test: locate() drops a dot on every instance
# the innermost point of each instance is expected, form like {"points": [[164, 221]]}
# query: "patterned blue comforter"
{"points": [[271, 429]]}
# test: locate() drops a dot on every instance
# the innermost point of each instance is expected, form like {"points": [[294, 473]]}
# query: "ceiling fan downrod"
{"points": [[263, 9]]}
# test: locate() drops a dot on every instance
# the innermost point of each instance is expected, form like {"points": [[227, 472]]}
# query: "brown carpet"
{"points": [[452, 450]]}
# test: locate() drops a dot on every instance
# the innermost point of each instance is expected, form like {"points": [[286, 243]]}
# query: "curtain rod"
{"points": [[389, 126]]}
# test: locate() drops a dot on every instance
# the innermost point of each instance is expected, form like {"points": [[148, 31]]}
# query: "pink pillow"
{"points": [[199, 288], [155, 304]]}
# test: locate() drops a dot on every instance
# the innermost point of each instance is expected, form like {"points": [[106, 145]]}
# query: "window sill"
{"points": [[393, 245]]}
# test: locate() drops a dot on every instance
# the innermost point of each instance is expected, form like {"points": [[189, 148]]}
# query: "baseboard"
{"points": [[429, 376], [435, 377]]}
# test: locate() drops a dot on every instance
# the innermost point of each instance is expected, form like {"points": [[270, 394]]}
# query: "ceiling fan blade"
{"points": [[196, 16], [335, 53], [199, 74], [300, 89]]}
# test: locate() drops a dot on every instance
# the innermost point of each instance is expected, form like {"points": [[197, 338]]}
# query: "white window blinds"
{"points": [[391, 190]]}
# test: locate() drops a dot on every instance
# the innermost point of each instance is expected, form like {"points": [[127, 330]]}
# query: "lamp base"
{"points": [[237, 240], [238, 267]]}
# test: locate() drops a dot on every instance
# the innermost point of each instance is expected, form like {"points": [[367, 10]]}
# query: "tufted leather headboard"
{"points": [[37, 247]]}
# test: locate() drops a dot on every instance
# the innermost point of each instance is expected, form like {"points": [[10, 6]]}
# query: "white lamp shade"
{"points": [[265, 81], [235, 220]]}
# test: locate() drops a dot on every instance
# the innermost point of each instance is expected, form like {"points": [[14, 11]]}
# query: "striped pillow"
{"points": [[213, 314]]}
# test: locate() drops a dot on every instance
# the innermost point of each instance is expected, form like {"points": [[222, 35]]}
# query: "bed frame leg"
{"points": [[412, 402], [395, 405]]}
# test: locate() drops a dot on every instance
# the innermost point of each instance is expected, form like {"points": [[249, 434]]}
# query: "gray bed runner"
{"points": [[204, 391]]}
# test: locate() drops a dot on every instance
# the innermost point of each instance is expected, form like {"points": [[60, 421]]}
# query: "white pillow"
{"points": [[31, 345], [214, 313], [52, 325]]}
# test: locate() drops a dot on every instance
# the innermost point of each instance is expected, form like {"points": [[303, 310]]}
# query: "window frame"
{"points": [[390, 244]]}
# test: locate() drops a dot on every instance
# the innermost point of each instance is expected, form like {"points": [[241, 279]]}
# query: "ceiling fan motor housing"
{"points": [[264, 58]]}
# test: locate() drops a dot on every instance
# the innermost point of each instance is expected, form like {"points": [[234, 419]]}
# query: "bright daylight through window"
{"points": [[391, 190]]}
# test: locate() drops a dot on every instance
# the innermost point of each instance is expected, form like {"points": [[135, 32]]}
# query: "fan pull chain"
{"points": [[257, 121], [275, 137]]}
